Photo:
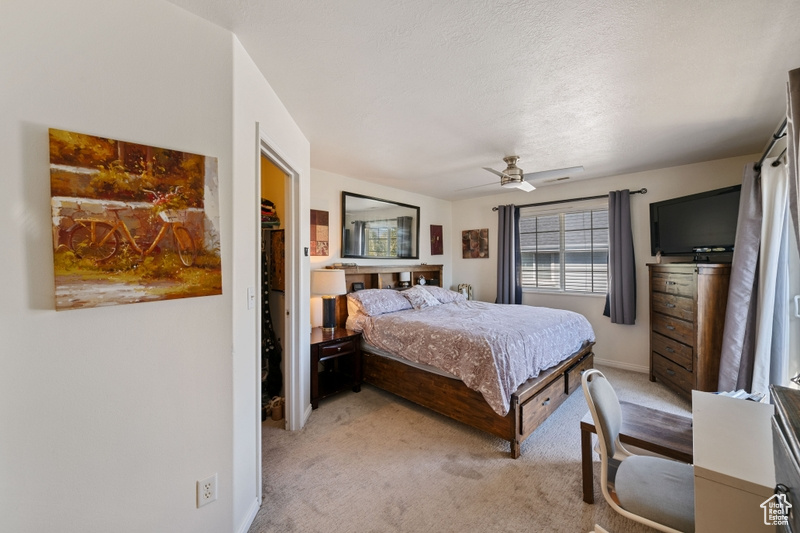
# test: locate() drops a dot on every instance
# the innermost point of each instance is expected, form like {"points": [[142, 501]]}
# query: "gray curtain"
{"points": [[793, 146], [772, 337], [621, 298], [404, 236], [739, 336], [509, 262], [358, 241], [754, 345]]}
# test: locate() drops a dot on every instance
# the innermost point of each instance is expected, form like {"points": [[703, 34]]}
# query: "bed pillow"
{"points": [[420, 298], [374, 302], [356, 321], [444, 295]]}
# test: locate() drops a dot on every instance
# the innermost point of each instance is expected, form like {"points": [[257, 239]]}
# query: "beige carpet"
{"points": [[371, 462]]}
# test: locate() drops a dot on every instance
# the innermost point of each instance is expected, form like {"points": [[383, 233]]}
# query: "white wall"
{"points": [[624, 346], [256, 102], [326, 195], [109, 415]]}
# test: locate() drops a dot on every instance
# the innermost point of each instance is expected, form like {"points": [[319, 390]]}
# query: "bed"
{"points": [[416, 351]]}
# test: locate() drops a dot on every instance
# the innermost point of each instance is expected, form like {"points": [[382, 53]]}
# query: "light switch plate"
{"points": [[251, 297]]}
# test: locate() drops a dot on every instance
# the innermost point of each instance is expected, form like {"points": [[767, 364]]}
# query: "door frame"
{"points": [[294, 369]]}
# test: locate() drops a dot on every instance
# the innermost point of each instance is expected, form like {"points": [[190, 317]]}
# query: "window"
{"points": [[565, 251], [381, 238]]}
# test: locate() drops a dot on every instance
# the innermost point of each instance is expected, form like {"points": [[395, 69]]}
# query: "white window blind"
{"points": [[566, 250]]}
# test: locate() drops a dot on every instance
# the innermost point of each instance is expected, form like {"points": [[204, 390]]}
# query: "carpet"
{"points": [[372, 462]]}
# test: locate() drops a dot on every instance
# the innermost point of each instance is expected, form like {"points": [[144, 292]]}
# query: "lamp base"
{"points": [[328, 314]]}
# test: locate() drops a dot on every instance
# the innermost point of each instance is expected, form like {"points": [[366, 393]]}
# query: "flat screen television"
{"points": [[696, 224]]}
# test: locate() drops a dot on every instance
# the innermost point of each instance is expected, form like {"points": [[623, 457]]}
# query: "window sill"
{"points": [[563, 293]]}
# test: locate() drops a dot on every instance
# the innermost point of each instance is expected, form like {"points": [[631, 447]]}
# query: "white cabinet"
{"points": [[734, 472]]}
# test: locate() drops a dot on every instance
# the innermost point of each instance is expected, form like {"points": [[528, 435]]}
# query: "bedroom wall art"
{"points": [[131, 222], [437, 246], [475, 243], [319, 232]]}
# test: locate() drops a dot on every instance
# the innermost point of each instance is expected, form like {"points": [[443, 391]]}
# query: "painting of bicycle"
{"points": [[131, 223]]}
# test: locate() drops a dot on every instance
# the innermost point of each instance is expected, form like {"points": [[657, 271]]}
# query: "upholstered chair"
{"points": [[654, 491]]}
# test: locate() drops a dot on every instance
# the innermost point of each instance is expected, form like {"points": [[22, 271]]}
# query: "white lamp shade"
{"points": [[328, 282], [405, 276]]}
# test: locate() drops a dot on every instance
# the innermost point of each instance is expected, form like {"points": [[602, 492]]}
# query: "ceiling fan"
{"points": [[513, 177]]}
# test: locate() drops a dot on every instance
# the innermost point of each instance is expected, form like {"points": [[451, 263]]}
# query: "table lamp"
{"points": [[328, 283], [405, 279]]}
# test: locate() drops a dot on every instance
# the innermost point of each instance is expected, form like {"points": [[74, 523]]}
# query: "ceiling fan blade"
{"points": [[555, 173], [493, 171], [525, 186], [494, 183]]}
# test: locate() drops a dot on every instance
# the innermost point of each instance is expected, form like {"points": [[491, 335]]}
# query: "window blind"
{"points": [[565, 251]]}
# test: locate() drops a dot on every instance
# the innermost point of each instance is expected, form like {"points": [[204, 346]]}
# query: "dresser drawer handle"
{"points": [[671, 306], [339, 349], [546, 402], [671, 328], [670, 283], [670, 350], [670, 372]]}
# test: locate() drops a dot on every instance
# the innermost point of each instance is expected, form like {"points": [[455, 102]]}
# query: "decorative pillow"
{"points": [[373, 302], [444, 295], [420, 298]]}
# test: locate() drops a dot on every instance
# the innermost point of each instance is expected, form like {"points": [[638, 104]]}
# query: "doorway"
{"points": [[274, 222]]}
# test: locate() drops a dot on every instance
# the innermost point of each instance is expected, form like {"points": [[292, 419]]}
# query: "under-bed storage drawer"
{"points": [[572, 379], [534, 411]]}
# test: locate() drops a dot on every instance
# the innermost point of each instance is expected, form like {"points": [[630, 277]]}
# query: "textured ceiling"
{"points": [[420, 95]]}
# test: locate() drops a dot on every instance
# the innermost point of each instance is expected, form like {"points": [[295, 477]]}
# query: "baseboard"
{"points": [[624, 366], [250, 517], [307, 414]]}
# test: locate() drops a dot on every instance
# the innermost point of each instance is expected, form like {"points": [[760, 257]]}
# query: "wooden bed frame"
{"points": [[531, 403]]}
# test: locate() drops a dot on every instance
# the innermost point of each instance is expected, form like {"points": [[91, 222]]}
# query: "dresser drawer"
{"points": [[677, 306], [338, 348], [542, 405], [674, 328], [670, 283], [673, 350], [673, 375]]}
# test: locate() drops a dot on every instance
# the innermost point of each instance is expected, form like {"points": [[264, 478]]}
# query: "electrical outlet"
{"points": [[206, 490]]}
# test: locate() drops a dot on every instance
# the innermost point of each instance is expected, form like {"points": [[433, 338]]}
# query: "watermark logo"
{"points": [[776, 510]]}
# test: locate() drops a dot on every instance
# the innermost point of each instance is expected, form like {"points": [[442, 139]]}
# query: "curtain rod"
{"points": [[640, 191], [779, 134]]}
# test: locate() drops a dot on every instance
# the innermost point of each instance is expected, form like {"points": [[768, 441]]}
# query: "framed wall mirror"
{"points": [[373, 228]]}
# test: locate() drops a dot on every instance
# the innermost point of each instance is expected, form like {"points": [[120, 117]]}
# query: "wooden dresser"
{"points": [[687, 315], [786, 445]]}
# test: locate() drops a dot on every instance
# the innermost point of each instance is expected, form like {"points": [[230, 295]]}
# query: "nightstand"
{"points": [[339, 355]]}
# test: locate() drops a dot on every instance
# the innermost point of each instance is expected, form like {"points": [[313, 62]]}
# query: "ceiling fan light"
{"points": [[510, 184]]}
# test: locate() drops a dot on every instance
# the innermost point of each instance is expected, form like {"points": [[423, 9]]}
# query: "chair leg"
{"points": [[586, 464]]}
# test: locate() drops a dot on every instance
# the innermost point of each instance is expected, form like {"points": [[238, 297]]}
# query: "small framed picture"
{"points": [[358, 286]]}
